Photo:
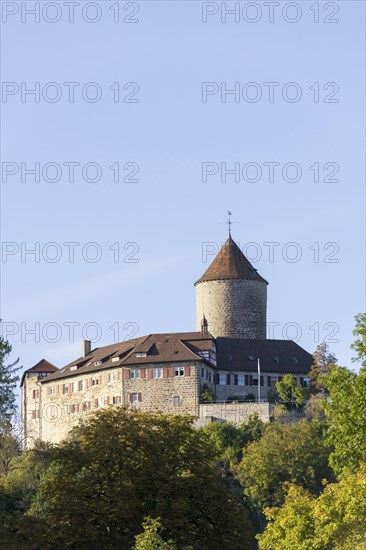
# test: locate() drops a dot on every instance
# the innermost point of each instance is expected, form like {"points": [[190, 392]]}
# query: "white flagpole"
{"points": [[259, 381]]}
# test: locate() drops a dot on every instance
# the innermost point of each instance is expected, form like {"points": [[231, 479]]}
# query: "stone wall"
{"points": [[235, 308], [232, 412], [50, 409]]}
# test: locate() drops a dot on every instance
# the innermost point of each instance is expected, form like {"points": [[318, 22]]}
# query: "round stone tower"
{"points": [[232, 296]]}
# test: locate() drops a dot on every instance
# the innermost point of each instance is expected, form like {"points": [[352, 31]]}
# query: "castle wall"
{"points": [[234, 308], [53, 408], [233, 412]]}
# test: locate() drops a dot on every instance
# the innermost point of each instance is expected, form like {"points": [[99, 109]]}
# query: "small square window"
{"points": [[240, 379], [223, 379], [179, 371], [176, 401]]}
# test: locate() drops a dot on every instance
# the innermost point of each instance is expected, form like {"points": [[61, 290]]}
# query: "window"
{"points": [[52, 390], [240, 379], [106, 401], [274, 379], [255, 379], [306, 381], [72, 387], [251, 357], [112, 376], [116, 400], [85, 406], [135, 397], [157, 373], [140, 354], [202, 372], [179, 371], [223, 379], [276, 359], [74, 367], [176, 400], [67, 409], [115, 359], [95, 381], [96, 403], [135, 373], [35, 394], [34, 415], [81, 385], [73, 408], [65, 388]]}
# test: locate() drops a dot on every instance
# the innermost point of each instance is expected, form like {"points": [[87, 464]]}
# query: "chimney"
{"points": [[86, 347]]}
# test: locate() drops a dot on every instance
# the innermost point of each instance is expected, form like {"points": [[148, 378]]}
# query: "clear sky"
{"points": [[159, 121]]}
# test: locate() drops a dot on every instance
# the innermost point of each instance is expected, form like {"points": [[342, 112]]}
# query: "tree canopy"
{"points": [[124, 465], [8, 381]]}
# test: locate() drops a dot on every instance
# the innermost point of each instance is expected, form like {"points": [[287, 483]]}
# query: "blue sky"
{"points": [[169, 213]]}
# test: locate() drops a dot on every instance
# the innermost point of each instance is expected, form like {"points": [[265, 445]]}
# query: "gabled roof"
{"points": [[42, 366], [282, 356], [150, 349], [230, 263]]}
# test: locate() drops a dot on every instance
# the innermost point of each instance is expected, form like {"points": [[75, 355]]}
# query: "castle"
{"points": [[228, 355]]}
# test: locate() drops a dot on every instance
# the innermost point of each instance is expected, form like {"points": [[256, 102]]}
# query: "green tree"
{"points": [[151, 538], [287, 453], [8, 381], [229, 441], [10, 443], [345, 410], [335, 520], [323, 361], [289, 393], [17, 530], [359, 344], [124, 465], [207, 394]]}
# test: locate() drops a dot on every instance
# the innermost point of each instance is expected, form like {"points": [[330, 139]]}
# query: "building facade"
{"points": [[228, 355]]}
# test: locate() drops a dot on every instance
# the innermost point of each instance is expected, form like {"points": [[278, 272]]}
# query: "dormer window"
{"points": [[143, 354], [251, 357], [229, 357], [276, 359]]}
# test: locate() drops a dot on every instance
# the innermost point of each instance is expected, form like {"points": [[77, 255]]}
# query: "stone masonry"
{"points": [[234, 308]]}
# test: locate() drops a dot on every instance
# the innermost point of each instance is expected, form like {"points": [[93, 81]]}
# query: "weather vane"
{"points": [[229, 222]]}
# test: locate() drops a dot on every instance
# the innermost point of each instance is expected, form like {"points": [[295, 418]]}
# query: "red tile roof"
{"points": [[42, 366], [230, 263]]}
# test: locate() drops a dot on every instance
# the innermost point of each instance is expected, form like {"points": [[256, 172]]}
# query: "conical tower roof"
{"points": [[230, 263]]}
